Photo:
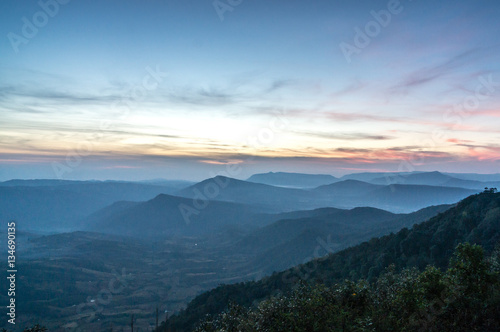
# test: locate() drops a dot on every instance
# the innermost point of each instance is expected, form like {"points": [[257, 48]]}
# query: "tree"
{"points": [[36, 328]]}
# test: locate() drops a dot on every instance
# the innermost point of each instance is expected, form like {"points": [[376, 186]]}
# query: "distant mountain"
{"points": [[171, 184], [289, 242], [292, 180], [476, 219], [476, 177], [407, 198], [424, 178], [52, 205], [344, 194], [174, 184], [434, 179], [395, 198], [273, 199], [347, 188], [167, 216], [370, 176], [472, 180], [40, 183], [471, 184], [106, 213]]}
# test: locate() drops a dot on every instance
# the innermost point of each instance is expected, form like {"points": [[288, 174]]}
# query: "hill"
{"points": [[370, 176], [40, 183], [476, 177], [287, 243], [475, 219], [273, 199], [469, 180], [345, 194], [292, 180], [407, 198], [434, 179], [396, 198], [347, 188], [53, 205], [167, 216], [464, 297]]}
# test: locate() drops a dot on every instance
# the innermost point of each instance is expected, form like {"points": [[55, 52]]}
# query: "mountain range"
{"points": [[476, 220], [59, 205], [180, 239]]}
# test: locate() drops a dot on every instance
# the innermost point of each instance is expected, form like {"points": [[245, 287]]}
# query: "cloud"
{"points": [[222, 96], [457, 141], [55, 95], [191, 94], [346, 136], [429, 74], [352, 88], [211, 96], [279, 84], [349, 117]]}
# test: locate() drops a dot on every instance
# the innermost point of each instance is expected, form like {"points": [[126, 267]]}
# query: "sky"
{"points": [[185, 89]]}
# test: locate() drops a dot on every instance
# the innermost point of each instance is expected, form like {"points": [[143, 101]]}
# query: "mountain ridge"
{"points": [[475, 219]]}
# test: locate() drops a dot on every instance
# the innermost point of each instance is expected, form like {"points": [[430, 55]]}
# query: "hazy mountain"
{"points": [[343, 194], [407, 198], [174, 184], [347, 188], [40, 183], [274, 199], [434, 179], [424, 178], [370, 176], [292, 180], [395, 198], [52, 205], [167, 216], [289, 242], [225, 231], [471, 184], [106, 213], [286, 229], [476, 177], [476, 219]]}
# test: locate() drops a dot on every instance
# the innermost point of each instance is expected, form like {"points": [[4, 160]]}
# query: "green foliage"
{"points": [[35, 328], [465, 297], [476, 220]]}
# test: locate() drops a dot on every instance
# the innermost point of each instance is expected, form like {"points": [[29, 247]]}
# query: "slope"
{"points": [[167, 216], [292, 180], [53, 205], [286, 243], [274, 199], [476, 219]]}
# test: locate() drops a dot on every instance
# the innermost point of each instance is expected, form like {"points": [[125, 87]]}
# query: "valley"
{"points": [[139, 252]]}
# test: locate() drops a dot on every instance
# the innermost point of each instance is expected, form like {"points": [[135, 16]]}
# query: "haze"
{"points": [[180, 89]]}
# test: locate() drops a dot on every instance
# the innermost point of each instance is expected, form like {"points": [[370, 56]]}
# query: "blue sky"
{"points": [[147, 89]]}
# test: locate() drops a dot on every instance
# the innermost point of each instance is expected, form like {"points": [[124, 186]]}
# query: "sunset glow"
{"points": [[168, 89]]}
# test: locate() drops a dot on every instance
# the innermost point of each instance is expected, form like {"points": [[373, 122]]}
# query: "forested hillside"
{"points": [[465, 297], [476, 220]]}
